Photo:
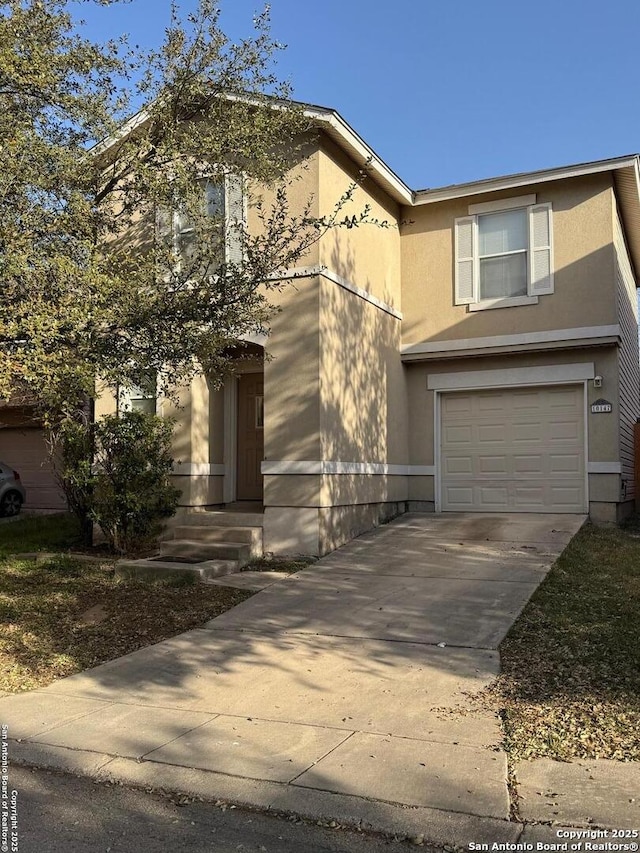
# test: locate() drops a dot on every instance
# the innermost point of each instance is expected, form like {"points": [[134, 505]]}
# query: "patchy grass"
{"points": [[279, 564], [61, 615], [570, 682], [39, 533]]}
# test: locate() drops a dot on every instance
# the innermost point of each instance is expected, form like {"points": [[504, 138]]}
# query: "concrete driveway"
{"points": [[345, 690]]}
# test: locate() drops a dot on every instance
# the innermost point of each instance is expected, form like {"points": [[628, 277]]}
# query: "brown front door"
{"points": [[250, 436]]}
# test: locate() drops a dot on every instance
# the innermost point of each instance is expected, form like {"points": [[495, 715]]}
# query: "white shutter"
{"points": [[540, 250], [465, 286], [235, 218]]}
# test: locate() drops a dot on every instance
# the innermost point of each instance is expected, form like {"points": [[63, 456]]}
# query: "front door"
{"points": [[250, 436]]}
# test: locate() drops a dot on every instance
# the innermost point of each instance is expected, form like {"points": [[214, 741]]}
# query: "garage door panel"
{"points": [[461, 498], [530, 464], [570, 464], [458, 435], [568, 496], [565, 398], [457, 405], [26, 451], [490, 404], [526, 433], [524, 452], [492, 465], [491, 434], [459, 465], [528, 498], [493, 497], [565, 430], [524, 402]]}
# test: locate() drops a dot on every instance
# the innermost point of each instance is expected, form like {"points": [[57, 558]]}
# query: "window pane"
{"points": [[186, 244], [502, 232], [502, 277], [214, 199], [259, 412], [145, 404]]}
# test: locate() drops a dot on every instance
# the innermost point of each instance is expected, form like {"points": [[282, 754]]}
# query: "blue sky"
{"points": [[447, 91]]}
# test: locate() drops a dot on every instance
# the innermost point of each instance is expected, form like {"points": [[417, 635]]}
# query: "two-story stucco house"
{"points": [[479, 356]]}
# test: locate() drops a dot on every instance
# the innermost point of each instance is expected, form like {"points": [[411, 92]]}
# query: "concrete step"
{"points": [[153, 570], [191, 549], [218, 518], [252, 536]]}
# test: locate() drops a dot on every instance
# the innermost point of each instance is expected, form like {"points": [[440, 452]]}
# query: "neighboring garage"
{"points": [[23, 447], [514, 450]]}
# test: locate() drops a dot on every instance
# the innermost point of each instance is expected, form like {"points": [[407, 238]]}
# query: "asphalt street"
{"points": [[58, 813]]}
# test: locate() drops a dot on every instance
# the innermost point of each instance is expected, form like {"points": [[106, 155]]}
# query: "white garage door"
{"points": [[520, 450], [26, 450]]}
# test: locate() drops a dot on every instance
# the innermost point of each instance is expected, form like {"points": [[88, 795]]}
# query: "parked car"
{"points": [[12, 492]]}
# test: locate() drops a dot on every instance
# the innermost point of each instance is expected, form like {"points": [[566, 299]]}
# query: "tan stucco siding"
{"points": [[628, 358], [367, 256], [353, 489], [584, 293], [301, 185], [292, 376], [363, 401]]}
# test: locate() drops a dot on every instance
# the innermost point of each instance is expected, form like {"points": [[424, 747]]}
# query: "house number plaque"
{"points": [[601, 406]]}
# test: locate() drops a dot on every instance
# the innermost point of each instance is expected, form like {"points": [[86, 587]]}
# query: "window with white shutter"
{"points": [[225, 200], [503, 257], [235, 218], [465, 260], [540, 258]]}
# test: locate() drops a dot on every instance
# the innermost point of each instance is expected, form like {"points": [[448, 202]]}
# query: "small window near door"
{"points": [[139, 398], [259, 412]]}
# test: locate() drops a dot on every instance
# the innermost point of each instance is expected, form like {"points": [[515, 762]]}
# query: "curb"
{"points": [[431, 826]]}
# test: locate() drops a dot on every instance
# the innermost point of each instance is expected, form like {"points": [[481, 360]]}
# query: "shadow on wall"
{"points": [[339, 389]]}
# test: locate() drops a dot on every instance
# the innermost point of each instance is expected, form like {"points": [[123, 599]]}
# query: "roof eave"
{"points": [[333, 125], [354, 145], [507, 182], [626, 171]]}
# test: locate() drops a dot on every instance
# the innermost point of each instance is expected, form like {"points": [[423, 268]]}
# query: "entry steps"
{"points": [[203, 543]]}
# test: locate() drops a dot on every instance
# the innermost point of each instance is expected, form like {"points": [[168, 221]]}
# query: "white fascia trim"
{"points": [[553, 336], [357, 148], [604, 468], [508, 182], [503, 204], [330, 275], [552, 374], [197, 469], [332, 467]]}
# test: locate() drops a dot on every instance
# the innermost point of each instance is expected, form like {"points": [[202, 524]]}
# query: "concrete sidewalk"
{"points": [[342, 692]]}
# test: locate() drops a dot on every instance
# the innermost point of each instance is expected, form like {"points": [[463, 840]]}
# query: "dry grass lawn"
{"points": [[570, 683], [62, 615]]}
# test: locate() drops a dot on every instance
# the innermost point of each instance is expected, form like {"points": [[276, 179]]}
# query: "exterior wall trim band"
{"points": [[332, 467], [604, 468], [198, 469], [552, 336], [330, 275], [551, 374]]}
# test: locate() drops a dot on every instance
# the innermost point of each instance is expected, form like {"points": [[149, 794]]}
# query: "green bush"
{"points": [[131, 492]]}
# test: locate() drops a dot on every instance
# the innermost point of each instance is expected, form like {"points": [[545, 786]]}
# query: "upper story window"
{"points": [[503, 254], [183, 225], [224, 200]]}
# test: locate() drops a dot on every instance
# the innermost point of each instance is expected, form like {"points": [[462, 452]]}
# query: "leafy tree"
{"points": [[113, 260], [131, 491], [123, 247]]}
